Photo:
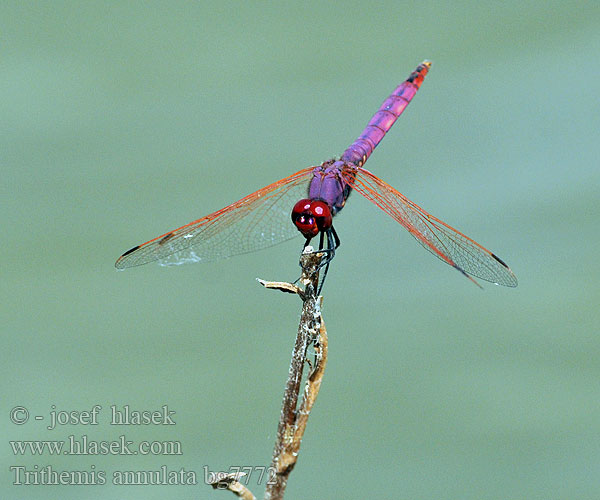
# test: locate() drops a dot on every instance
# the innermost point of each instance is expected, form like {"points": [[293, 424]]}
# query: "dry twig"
{"points": [[225, 481], [293, 418]]}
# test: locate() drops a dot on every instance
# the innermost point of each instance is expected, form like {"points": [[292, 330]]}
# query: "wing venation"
{"points": [[260, 220], [445, 242]]}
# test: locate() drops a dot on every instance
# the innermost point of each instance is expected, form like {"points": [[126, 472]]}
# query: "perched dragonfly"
{"points": [[261, 219]]}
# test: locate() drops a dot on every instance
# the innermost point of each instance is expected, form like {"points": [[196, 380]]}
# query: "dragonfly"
{"points": [[312, 197]]}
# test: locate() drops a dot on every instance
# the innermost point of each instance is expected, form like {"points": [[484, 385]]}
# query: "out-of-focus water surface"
{"points": [[122, 121]]}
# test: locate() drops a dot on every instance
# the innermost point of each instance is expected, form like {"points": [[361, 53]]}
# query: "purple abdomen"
{"points": [[385, 117], [327, 183]]}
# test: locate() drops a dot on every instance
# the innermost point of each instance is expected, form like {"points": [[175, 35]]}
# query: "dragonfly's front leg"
{"points": [[333, 243]]}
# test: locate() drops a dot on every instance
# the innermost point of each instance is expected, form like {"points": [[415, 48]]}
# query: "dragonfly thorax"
{"points": [[311, 217]]}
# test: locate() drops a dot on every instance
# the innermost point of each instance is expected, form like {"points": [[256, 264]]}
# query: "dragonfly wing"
{"points": [[445, 242], [260, 220]]}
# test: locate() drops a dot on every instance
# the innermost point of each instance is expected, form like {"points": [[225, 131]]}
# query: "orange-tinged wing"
{"points": [[445, 242], [260, 220]]}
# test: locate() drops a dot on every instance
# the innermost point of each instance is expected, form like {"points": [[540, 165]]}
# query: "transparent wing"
{"points": [[445, 242], [260, 220]]}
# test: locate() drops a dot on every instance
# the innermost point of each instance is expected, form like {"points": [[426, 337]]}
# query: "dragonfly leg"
{"points": [[321, 240], [333, 242], [336, 238]]}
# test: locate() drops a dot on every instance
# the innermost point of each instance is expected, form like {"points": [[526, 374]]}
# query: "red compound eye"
{"points": [[311, 216]]}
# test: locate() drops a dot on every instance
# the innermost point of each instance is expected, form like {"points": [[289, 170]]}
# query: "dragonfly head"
{"points": [[311, 217]]}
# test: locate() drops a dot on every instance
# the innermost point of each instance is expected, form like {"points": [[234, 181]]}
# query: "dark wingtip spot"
{"points": [[166, 238], [130, 251], [501, 261]]}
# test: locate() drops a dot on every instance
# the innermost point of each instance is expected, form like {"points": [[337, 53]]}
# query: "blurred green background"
{"points": [[121, 121]]}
